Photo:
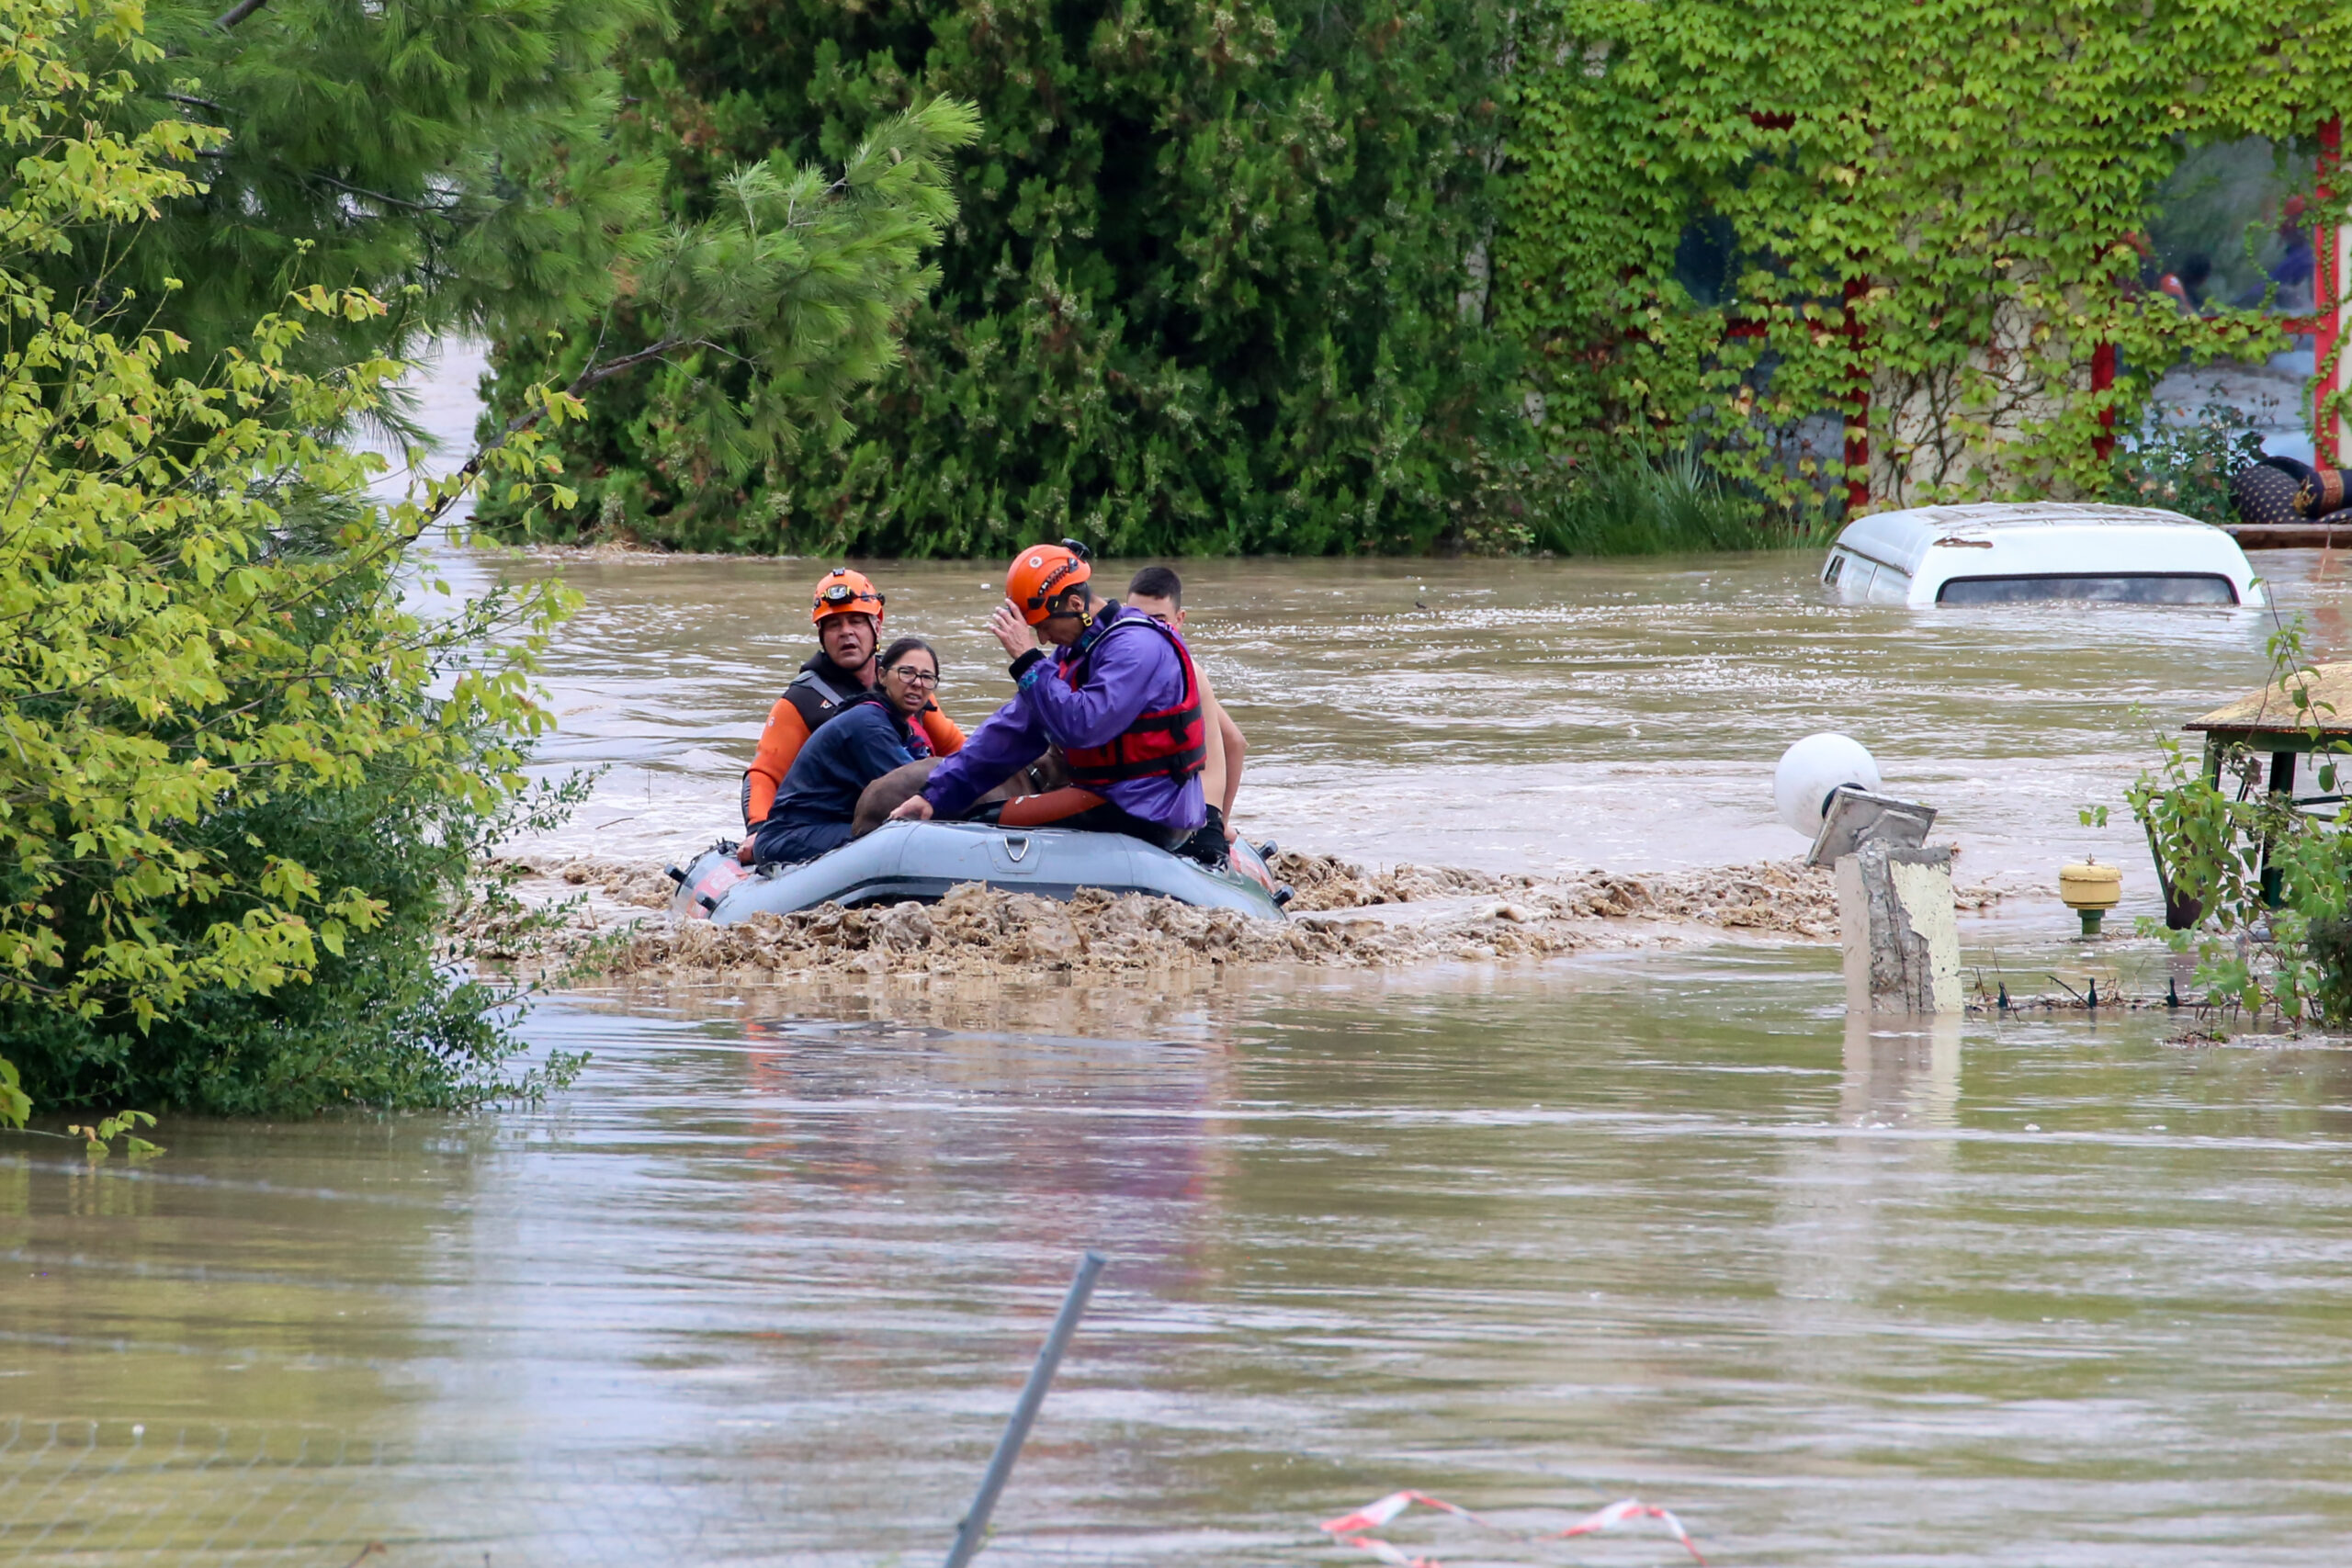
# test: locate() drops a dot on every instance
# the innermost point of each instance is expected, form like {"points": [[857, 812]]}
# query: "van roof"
{"points": [[1902, 538], [1930, 544], [2021, 514]]}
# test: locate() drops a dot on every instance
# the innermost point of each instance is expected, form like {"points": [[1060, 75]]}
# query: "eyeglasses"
{"points": [[915, 674]]}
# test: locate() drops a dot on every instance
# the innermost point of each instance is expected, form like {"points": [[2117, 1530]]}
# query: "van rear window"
{"points": [[2103, 588]]}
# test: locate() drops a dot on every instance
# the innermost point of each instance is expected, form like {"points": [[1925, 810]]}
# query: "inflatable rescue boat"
{"points": [[921, 861]]}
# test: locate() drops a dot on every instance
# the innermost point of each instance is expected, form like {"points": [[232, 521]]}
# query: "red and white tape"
{"points": [[1353, 1530], [1631, 1509]]}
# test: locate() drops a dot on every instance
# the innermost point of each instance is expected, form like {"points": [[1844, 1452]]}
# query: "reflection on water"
{"points": [[763, 1287]]}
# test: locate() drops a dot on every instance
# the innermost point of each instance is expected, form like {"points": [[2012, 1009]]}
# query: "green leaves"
{"points": [[204, 650], [1214, 281], [15, 1104], [2273, 884], [450, 156], [1733, 224], [98, 1137]]}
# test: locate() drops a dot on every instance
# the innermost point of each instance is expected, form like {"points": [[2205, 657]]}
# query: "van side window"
{"points": [[1837, 565]]}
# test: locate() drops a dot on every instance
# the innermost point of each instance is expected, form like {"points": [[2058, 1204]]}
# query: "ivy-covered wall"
{"points": [[1726, 219]]}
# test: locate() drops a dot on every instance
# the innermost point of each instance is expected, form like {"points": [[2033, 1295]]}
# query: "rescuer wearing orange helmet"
{"points": [[1118, 695], [847, 610]]}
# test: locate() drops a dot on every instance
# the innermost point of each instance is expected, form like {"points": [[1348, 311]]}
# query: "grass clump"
{"points": [[1636, 507]]}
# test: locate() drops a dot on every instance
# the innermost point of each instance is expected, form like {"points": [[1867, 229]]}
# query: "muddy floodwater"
{"points": [[761, 1287], [1545, 716]]}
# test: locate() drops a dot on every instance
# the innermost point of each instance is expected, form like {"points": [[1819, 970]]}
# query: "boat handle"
{"points": [[1016, 845]]}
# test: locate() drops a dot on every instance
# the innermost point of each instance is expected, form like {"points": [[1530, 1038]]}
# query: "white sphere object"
{"points": [[1811, 770]]}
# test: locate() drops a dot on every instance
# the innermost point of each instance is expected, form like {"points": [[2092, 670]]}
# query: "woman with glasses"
{"points": [[847, 611], [876, 731]]}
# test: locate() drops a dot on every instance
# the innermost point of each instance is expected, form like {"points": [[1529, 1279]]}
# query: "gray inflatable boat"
{"points": [[921, 860]]}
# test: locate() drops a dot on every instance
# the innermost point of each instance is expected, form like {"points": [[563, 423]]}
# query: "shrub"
{"points": [[2266, 888], [2187, 467], [1216, 284], [238, 778], [391, 1013], [1639, 506]]}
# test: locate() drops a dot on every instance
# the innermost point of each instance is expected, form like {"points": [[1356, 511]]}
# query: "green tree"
{"points": [[453, 157], [204, 637], [241, 786], [1216, 283]]}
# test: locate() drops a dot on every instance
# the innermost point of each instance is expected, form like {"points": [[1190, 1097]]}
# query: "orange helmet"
{"points": [[841, 591], [1042, 573]]}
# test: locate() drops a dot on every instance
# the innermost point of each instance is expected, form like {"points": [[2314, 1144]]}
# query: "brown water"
{"points": [[760, 1288], [1554, 715]]}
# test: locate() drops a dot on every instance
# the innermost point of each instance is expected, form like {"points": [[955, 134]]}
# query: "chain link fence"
{"points": [[108, 1496], [83, 1491]]}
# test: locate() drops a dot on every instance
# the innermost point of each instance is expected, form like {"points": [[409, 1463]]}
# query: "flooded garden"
{"points": [[1650, 1218], [1508, 1151]]}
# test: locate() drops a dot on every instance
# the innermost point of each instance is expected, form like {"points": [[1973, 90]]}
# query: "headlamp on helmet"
{"points": [[841, 591]]}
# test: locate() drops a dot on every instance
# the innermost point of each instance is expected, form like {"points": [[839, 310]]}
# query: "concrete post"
{"points": [[1902, 940]]}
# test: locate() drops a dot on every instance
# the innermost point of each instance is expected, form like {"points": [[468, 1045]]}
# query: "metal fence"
{"points": [[81, 1492], [110, 1494]]}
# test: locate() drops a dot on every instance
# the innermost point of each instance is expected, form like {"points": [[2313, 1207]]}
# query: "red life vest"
{"points": [[1168, 743]]}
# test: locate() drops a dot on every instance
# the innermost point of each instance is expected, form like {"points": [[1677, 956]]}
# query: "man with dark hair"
{"points": [[1156, 583], [1158, 592]]}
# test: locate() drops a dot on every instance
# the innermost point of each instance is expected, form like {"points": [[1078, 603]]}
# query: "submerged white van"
{"points": [[2025, 552]]}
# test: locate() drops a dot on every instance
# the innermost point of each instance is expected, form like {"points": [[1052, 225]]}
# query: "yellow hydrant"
{"points": [[2090, 890]]}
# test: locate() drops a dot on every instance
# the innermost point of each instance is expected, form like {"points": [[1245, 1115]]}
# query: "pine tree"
{"points": [[1215, 284], [454, 157]]}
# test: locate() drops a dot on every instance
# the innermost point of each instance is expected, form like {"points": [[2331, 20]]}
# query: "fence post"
{"points": [[1896, 923], [974, 1524]]}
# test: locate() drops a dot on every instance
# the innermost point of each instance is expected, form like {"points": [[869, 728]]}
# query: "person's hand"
{"points": [[1012, 630], [748, 855], [914, 808]]}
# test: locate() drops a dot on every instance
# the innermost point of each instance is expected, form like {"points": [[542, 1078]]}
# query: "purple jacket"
{"points": [[1131, 674]]}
